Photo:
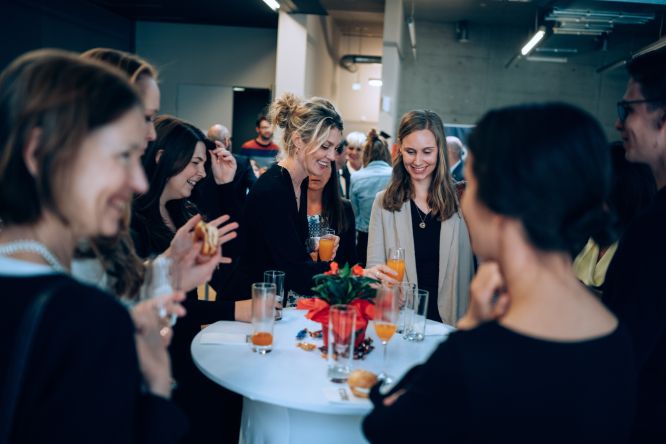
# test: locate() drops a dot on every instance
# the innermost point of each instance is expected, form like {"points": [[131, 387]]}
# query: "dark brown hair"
{"points": [[375, 148], [442, 198], [63, 98]]}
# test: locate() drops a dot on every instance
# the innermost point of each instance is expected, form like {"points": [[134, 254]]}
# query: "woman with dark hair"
{"points": [[537, 357], [419, 212], [632, 190], [326, 206], [365, 185], [71, 135], [174, 164]]}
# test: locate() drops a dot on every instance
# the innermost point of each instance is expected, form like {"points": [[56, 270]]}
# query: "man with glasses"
{"points": [[635, 288]]}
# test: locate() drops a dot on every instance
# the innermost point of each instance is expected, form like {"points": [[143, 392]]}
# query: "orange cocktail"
{"points": [[398, 265], [262, 339], [385, 330], [326, 245]]}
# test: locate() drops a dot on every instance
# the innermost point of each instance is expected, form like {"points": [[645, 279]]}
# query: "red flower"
{"points": [[334, 268], [357, 270]]}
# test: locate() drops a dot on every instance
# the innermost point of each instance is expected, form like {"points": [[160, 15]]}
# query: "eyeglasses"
{"points": [[624, 108]]}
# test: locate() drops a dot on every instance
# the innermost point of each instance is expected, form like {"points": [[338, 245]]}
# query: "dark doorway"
{"points": [[249, 105]]}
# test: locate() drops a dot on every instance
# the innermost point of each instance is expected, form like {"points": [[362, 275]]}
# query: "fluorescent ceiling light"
{"points": [[356, 86], [375, 82], [273, 4], [239, 88], [536, 38]]}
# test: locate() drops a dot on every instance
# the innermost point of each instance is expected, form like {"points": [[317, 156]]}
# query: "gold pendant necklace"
{"points": [[418, 211]]}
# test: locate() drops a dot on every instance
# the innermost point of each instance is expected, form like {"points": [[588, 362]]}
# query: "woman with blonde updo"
{"points": [[419, 212], [274, 223]]}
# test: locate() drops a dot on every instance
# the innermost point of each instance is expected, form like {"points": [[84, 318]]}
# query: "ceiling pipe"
{"points": [[349, 61]]}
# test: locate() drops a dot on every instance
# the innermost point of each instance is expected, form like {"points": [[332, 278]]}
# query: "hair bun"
{"points": [[372, 135], [595, 223], [283, 108]]}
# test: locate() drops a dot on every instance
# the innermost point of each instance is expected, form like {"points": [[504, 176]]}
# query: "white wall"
{"points": [[359, 108], [196, 57], [320, 67]]}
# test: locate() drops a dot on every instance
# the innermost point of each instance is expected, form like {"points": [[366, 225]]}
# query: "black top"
{"points": [[82, 382], [636, 292], [275, 234], [491, 384], [346, 253], [426, 255]]}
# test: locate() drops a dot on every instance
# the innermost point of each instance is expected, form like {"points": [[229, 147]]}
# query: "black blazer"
{"points": [[274, 234], [347, 248]]}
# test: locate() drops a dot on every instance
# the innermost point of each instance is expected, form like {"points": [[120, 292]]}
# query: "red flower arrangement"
{"points": [[341, 286]]}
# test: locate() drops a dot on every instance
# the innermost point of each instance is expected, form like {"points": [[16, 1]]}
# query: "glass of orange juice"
{"points": [[326, 244], [387, 310], [263, 316], [396, 261]]}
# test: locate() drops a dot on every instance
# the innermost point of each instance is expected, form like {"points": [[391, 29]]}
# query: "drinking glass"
{"points": [[263, 316], [417, 312], [161, 279], [341, 337], [386, 322], [406, 292], [326, 244], [396, 261], [276, 277]]}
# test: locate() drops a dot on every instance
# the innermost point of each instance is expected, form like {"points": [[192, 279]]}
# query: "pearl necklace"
{"points": [[32, 246]]}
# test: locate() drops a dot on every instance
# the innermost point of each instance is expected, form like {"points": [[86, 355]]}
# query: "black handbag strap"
{"points": [[19, 358]]}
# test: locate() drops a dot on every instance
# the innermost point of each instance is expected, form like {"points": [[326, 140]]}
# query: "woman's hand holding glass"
{"points": [[382, 273], [488, 297], [223, 164], [152, 337]]}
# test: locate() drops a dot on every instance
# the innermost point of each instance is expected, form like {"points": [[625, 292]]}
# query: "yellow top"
{"points": [[586, 267]]}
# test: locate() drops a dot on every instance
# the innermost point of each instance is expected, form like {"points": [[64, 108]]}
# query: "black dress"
{"points": [[82, 382], [635, 291], [493, 385], [426, 255], [275, 233], [213, 411]]}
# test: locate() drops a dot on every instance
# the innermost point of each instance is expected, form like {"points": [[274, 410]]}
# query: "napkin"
{"points": [[225, 338], [342, 395]]}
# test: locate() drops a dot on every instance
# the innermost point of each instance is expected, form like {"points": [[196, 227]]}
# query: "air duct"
{"points": [[350, 61]]}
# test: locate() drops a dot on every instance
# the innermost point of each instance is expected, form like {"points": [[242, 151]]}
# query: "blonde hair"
{"points": [[442, 198], [311, 119], [131, 64]]}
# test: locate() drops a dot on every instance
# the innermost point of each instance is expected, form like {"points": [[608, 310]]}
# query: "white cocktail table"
{"points": [[284, 399]]}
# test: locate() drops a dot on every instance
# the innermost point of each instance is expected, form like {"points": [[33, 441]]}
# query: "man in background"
{"points": [[261, 149], [635, 289], [456, 164]]}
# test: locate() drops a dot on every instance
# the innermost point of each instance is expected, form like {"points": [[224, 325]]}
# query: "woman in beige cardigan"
{"points": [[419, 212]]}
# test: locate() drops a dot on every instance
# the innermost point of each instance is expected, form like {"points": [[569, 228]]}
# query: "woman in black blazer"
{"points": [[274, 224]]}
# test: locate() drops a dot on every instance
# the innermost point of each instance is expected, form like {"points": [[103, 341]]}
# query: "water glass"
{"points": [[415, 321], [341, 337], [161, 279], [406, 292], [276, 277], [263, 317]]}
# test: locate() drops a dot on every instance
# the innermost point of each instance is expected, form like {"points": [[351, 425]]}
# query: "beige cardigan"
{"points": [[394, 229]]}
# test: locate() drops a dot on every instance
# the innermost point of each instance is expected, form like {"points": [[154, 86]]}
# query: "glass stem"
{"points": [[385, 355]]}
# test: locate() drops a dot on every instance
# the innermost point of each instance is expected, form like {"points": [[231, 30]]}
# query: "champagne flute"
{"points": [[396, 261], [387, 312]]}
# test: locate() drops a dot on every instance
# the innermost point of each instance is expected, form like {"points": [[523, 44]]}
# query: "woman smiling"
{"points": [[419, 212]]}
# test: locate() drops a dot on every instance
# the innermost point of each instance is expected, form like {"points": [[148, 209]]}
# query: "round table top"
{"points": [[295, 378]]}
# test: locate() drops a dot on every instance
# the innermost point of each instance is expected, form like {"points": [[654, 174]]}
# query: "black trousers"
{"points": [[362, 247]]}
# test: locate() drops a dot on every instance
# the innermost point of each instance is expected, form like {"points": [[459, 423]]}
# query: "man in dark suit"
{"points": [[455, 152]]}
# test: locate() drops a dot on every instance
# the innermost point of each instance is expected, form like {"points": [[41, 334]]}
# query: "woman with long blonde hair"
{"points": [[419, 211]]}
